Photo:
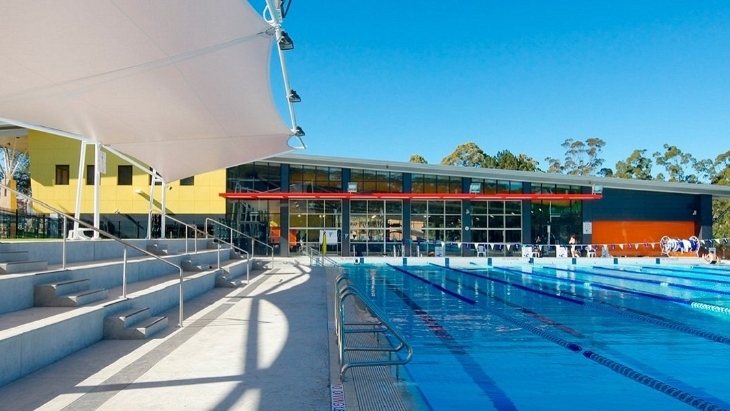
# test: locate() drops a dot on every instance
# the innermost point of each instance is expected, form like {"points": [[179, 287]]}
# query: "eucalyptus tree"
{"points": [[466, 155], [417, 158], [581, 157], [681, 167], [636, 166], [505, 160]]}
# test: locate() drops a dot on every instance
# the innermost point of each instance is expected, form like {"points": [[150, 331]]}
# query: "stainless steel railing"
{"points": [[195, 228], [231, 231], [316, 258], [125, 245], [344, 289]]}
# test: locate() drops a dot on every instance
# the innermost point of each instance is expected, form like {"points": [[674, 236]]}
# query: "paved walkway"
{"points": [[261, 347]]}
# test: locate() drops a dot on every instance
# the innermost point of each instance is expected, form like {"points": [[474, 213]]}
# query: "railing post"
{"points": [[124, 274], [219, 255], [180, 323]]}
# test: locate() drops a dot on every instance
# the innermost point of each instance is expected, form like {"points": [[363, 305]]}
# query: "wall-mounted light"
{"points": [[138, 191], [285, 42], [294, 97]]}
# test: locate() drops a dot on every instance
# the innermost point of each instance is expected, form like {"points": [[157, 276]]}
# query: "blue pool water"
{"points": [[560, 338]]}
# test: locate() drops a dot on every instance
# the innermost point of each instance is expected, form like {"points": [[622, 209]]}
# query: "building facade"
{"points": [[366, 207]]}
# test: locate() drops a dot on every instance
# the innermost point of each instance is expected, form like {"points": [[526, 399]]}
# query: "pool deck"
{"points": [[264, 346]]}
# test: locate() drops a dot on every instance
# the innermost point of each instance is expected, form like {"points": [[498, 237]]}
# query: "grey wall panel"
{"points": [[617, 205]]}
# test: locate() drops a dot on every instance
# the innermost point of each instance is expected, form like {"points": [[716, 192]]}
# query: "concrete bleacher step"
{"points": [[189, 265], [15, 267], [13, 256], [159, 249], [70, 293], [233, 274], [133, 324]]}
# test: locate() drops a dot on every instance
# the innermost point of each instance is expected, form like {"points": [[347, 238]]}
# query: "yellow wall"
{"points": [[46, 151]]}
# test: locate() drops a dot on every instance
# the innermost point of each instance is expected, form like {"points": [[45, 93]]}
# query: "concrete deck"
{"points": [[261, 347]]}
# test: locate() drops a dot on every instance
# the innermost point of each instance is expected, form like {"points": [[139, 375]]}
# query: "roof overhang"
{"points": [[405, 196]]}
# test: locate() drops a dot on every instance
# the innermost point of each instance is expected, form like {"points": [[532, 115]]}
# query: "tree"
{"points": [[416, 158], [720, 174], [505, 160], [679, 166], [465, 155], [14, 165], [581, 158], [636, 166]]}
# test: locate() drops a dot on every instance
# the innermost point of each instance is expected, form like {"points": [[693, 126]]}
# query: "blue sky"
{"points": [[385, 80]]}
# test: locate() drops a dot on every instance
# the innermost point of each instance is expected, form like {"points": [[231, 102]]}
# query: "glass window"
{"points": [[189, 181], [90, 175], [513, 207], [452, 207], [62, 174], [358, 206], [496, 207], [419, 207], [394, 207], [124, 175]]}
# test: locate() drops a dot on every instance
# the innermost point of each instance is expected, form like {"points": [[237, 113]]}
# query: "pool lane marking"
{"points": [[642, 280], [680, 277], [683, 301], [622, 311], [434, 285], [650, 382], [489, 387], [624, 370], [528, 327], [546, 320]]}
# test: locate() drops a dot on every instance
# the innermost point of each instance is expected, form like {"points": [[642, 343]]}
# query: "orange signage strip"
{"points": [[404, 196]]}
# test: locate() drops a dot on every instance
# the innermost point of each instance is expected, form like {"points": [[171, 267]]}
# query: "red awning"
{"points": [[404, 196]]}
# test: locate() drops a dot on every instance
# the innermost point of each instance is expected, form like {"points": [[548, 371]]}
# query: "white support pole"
{"points": [[79, 182], [162, 208], [152, 198], [97, 182]]}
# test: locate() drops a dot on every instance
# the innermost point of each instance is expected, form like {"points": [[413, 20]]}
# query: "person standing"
{"points": [[573, 242]]}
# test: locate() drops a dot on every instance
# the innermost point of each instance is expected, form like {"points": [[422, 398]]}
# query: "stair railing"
{"points": [[195, 229], [316, 258], [125, 244], [231, 231], [344, 289]]}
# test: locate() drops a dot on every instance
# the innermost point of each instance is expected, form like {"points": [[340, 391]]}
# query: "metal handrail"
{"points": [[349, 290], [67, 217], [314, 254], [236, 248], [195, 228], [232, 230]]}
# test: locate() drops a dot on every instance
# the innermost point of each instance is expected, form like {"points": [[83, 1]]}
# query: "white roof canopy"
{"points": [[182, 85]]}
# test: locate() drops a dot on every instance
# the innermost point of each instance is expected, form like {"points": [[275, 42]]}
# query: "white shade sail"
{"points": [[181, 85]]}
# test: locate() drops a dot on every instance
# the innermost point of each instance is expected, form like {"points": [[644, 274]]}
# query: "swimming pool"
{"points": [[560, 337]]}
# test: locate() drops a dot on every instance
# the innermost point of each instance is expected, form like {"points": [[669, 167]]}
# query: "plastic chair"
{"points": [[590, 251], [481, 251]]}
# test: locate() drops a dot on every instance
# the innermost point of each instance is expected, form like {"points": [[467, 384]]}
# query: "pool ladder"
{"points": [[344, 289]]}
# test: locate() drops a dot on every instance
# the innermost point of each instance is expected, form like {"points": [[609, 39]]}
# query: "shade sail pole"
{"points": [[77, 212], [163, 199], [97, 182], [153, 180]]}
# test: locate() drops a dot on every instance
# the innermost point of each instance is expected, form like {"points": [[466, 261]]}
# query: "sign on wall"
{"points": [[587, 227]]}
